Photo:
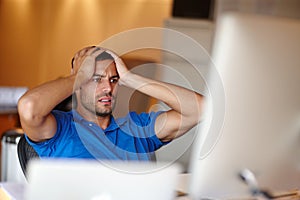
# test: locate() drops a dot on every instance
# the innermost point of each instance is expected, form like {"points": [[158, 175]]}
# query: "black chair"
{"points": [[25, 153], [25, 150]]}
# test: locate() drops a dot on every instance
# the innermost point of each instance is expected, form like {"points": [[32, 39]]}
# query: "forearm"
{"points": [[184, 101], [40, 101]]}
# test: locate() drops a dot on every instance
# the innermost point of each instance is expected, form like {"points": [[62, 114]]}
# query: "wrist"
{"points": [[126, 78], [75, 80]]}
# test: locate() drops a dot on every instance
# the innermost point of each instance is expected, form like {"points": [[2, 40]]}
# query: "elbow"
{"points": [[26, 109], [197, 110]]}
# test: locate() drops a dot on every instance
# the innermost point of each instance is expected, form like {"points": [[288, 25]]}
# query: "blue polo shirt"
{"points": [[129, 138]]}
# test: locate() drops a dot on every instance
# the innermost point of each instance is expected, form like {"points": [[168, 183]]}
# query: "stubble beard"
{"points": [[102, 113], [98, 111]]}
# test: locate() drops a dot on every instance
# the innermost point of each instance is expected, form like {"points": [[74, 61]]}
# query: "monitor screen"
{"points": [[254, 124], [193, 8]]}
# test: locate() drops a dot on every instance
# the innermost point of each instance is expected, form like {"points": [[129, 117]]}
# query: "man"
{"points": [[90, 130]]}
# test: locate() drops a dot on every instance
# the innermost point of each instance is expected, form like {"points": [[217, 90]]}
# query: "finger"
{"points": [[97, 48], [88, 62], [97, 51], [83, 51], [81, 54], [89, 53]]}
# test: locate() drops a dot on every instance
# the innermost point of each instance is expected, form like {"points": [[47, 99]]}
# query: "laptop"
{"points": [[250, 141], [71, 179]]}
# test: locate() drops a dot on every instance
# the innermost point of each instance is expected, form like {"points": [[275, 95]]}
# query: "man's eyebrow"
{"points": [[115, 76], [98, 75], [101, 76]]}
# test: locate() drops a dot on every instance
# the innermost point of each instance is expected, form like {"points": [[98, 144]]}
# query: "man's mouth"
{"points": [[105, 100]]}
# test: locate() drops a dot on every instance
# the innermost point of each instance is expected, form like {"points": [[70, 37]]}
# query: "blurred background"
{"points": [[39, 37]]}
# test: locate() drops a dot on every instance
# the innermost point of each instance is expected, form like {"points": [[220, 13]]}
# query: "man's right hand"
{"points": [[84, 65]]}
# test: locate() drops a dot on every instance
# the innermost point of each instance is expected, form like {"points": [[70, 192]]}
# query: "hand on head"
{"points": [[81, 55], [120, 65], [83, 63]]}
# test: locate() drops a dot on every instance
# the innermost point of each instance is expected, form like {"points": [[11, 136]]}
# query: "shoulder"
{"points": [[62, 116], [142, 119], [64, 120]]}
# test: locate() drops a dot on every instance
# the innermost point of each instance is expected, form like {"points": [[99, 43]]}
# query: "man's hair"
{"points": [[104, 56]]}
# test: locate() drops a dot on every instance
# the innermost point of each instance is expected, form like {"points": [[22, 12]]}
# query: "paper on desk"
{"points": [[11, 191]]}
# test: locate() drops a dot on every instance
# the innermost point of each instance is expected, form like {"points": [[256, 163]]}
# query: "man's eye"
{"points": [[114, 80], [96, 79]]}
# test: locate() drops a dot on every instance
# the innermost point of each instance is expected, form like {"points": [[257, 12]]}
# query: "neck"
{"points": [[102, 121]]}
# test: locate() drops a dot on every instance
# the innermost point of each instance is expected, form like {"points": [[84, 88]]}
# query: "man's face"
{"points": [[98, 96]]}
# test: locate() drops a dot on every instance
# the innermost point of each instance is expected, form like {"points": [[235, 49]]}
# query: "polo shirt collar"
{"points": [[114, 124]]}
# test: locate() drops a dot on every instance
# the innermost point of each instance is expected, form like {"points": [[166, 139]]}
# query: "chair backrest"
{"points": [[25, 153]]}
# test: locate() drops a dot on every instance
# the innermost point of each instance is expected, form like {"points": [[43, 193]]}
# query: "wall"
{"points": [[39, 37]]}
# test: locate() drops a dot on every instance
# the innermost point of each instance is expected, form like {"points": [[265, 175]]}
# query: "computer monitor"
{"points": [[255, 123]]}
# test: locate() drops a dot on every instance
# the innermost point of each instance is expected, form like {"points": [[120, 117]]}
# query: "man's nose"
{"points": [[106, 86]]}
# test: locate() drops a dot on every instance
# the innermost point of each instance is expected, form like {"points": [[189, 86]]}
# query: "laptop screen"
{"points": [[94, 180]]}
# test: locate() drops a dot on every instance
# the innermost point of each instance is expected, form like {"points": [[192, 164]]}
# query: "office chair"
{"points": [[25, 150], [25, 153]]}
